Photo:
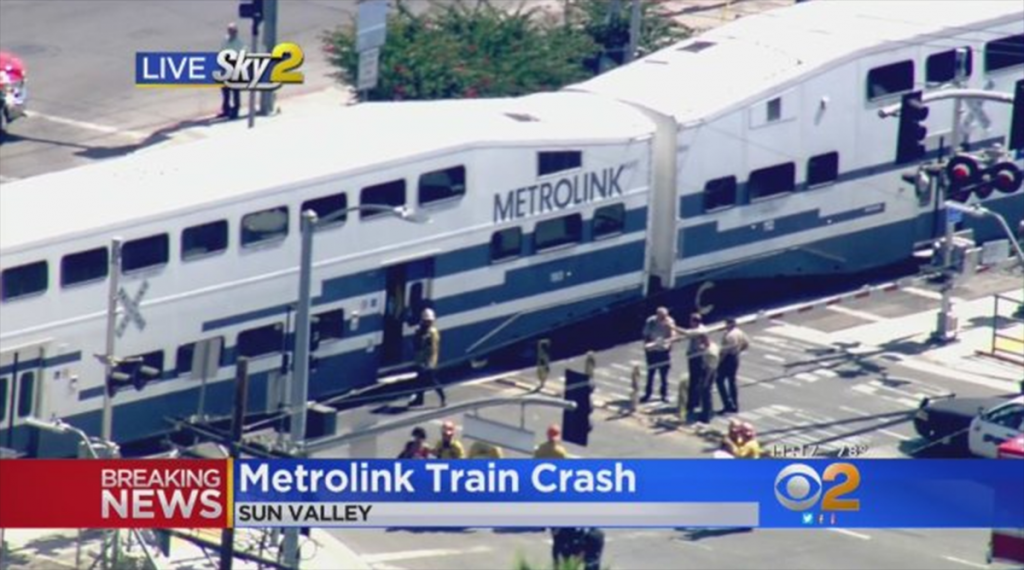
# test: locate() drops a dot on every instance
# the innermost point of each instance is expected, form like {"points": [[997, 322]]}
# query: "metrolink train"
{"points": [[752, 152]]}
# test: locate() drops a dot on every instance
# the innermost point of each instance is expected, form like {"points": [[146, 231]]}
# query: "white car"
{"points": [[994, 426]]}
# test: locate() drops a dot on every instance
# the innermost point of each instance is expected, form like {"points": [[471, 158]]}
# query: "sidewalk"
{"points": [[49, 549]]}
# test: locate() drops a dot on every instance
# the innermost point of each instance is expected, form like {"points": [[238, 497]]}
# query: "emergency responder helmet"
{"points": [[428, 315], [747, 429]]}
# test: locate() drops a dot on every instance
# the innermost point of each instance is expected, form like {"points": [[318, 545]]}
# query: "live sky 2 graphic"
{"points": [[236, 69]]}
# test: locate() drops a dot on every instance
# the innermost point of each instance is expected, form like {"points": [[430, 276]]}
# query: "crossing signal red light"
{"points": [[910, 142], [1006, 177]]}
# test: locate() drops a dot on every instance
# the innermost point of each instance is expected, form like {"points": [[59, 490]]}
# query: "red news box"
{"points": [[158, 493]]}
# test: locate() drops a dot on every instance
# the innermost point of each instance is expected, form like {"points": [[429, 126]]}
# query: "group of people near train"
{"points": [[709, 363]]}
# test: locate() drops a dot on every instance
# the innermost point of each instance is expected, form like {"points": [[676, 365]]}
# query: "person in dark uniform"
{"points": [[428, 349], [659, 333], [695, 360], [231, 98]]}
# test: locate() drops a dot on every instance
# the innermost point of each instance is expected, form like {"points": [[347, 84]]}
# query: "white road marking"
{"points": [[827, 373], [966, 562], [774, 357], [429, 553], [806, 377], [850, 533], [788, 382], [894, 435], [86, 125], [864, 389], [854, 411], [623, 367], [858, 314]]}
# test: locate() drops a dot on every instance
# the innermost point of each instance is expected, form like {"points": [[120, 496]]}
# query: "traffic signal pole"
{"points": [[910, 149], [267, 98], [252, 94]]}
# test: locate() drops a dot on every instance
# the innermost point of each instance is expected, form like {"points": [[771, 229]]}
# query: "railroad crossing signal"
{"points": [[132, 312]]}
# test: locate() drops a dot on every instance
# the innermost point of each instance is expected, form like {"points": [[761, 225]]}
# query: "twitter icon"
{"points": [[808, 518]]}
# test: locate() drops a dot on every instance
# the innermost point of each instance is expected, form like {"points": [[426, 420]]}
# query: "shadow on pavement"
{"points": [[155, 137], [695, 534]]}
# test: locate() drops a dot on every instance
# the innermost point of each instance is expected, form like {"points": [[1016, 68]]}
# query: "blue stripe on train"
{"points": [[691, 205], [453, 263], [334, 374]]}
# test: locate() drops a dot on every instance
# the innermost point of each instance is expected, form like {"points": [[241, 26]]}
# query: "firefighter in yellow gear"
{"points": [[742, 442], [552, 448], [482, 450], [449, 447]]}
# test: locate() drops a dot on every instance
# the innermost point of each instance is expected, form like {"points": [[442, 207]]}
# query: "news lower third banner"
{"points": [[512, 493]]}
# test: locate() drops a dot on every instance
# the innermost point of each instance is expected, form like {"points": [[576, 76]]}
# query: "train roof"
{"points": [[276, 156], [709, 74]]}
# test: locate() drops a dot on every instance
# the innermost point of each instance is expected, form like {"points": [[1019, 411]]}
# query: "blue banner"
{"points": [[175, 69], [784, 494]]}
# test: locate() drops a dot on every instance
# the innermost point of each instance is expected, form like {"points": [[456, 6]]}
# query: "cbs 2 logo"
{"points": [[803, 487]]}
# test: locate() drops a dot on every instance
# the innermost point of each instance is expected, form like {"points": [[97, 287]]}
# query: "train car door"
{"points": [[408, 291], [21, 370]]}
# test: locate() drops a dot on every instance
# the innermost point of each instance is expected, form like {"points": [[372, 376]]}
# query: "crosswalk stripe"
{"points": [[806, 377], [622, 367], [864, 389], [827, 373], [773, 357], [788, 382]]}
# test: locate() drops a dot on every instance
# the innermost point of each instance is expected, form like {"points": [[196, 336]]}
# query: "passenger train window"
{"points": [[890, 79], [3, 399], [329, 325], [941, 67], [1004, 52], [390, 194], [265, 225], [506, 244], [261, 340], [24, 280], [822, 169], [84, 266], [720, 193], [204, 239], [559, 231], [443, 184], [609, 220], [327, 206], [144, 253], [771, 181], [557, 161], [26, 392], [186, 354]]}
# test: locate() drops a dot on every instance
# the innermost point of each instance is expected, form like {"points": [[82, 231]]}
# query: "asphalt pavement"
{"points": [[808, 388]]}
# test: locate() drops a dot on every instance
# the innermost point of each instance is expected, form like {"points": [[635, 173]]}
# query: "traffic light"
{"points": [[1017, 122], [131, 371], [576, 423], [910, 144], [251, 10]]}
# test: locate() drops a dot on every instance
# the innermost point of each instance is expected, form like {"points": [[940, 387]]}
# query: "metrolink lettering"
{"points": [[558, 195]]}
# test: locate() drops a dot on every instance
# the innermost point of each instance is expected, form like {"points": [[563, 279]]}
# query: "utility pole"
{"points": [[267, 98], [106, 432], [635, 19], [252, 94], [227, 540]]}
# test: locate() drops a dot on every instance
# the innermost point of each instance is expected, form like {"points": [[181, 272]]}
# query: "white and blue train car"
{"points": [[537, 216], [771, 160]]}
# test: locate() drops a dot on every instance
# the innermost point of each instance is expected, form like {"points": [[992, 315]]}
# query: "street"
{"points": [[802, 392]]}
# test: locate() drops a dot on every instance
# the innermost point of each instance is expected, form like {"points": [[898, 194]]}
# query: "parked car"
{"points": [[977, 425], [13, 93]]}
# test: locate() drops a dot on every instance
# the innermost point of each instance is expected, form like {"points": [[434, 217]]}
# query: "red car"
{"points": [[13, 93]]}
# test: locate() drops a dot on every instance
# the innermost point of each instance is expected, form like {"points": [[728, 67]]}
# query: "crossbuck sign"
{"points": [[132, 314]]}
